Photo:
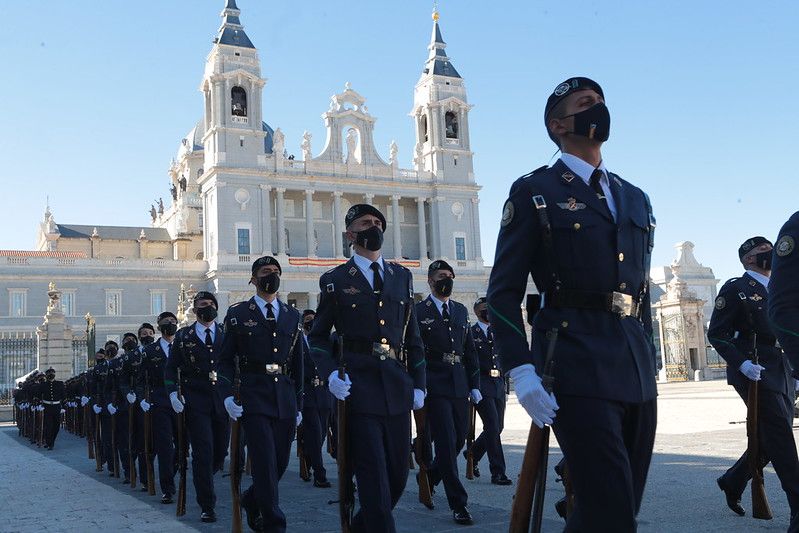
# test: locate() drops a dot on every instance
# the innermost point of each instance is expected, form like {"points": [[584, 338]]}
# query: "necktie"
{"points": [[490, 333], [596, 176], [378, 281], [169, 349], [445, 312], [270, 316], [209, 341]]}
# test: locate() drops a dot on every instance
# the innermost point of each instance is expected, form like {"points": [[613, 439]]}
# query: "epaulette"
{"points": [[534, 172], [730, 281]]}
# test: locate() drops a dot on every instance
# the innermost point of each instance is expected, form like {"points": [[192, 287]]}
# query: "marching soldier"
{"points": [[93, 395], [369, 301], [119, 392], [131, 385], [492, 408], [453, 378], [740, 316], [784, 291], [195, 351], [585, 235], [153, 365], [53, 395], [315, 409], [103, 394], [262, 338]]}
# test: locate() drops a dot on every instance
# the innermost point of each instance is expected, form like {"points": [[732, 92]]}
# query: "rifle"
{"points": [[470, 442], [305, 474], [346, 489], [87, 431], [148, 438], [114, 451], [131, 430], [760, 506], [235, 472], [425, 494], [182, 455], [528, 502], [562, 469], [98, 435], [41, 426]]}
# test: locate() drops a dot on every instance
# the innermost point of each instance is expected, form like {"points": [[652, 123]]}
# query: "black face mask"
{"points": [[50, 377], [129, 346], [110, 352], [443, 287], [307, 326], [483, 315], [168, 329], [763, 260], [592, 123], [269, 283], [206, 314], [371, 239]]}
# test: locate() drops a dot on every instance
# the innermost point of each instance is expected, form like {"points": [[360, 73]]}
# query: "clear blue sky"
{"points": [[95, 97]]}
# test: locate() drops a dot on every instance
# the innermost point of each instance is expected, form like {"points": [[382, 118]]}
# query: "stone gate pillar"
{"points": [[55, 338]]}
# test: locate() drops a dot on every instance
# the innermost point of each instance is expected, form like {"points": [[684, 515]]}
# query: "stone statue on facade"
{"points": [[160, 206], [352, 144], [153, 213], [393, 150], [279, 144], [174, 192], [306, 146]]}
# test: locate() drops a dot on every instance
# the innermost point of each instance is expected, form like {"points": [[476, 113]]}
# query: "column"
{"points": [[266, 220], [395, 217], [435, 244], [338, 246], [476, 245], [281, 223], [422, 228], [313, 300], [309, 233]]}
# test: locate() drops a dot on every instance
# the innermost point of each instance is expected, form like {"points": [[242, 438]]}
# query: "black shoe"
{"points": [[462, 517], [126, 481], [322, 483], [501, 479], [560, 507], [166, 499], [733, 500], [254, 518], [208, 516]]}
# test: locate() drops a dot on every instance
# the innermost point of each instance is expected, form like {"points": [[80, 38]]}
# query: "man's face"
{"points": [[480, 308], [436, 276], [362, 223], [167, 320], [307, 323], [750, 259], [146, 332], [262, 272], [574, 103], [199, 304]]}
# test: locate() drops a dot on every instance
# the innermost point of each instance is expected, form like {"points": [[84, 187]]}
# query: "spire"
{"points": [[437, 62], [231, 32]]}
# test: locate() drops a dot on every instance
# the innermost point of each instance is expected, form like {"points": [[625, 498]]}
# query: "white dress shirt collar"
{"points": [[365, 266], [262, 306], [583, 169], [758, 277], [165, 344], [200, 329], [440, 305]]}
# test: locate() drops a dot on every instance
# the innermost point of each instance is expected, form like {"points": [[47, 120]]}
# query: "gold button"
{"points": [[274, 334], [564, 324], [577, 225], [622, 286], [621, 257], [402, 303], [275, 380], [382, 357], [380, 304], [275, 349], [353, 306], [383, 341], [382, 322]]}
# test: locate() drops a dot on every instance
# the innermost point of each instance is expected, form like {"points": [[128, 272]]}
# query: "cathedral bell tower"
{"points": [[441, 115], [232, 87]]}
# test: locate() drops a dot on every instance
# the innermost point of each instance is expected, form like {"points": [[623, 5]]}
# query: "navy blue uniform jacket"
{"points": [[196, 361], [784, 291], [488, 356]]}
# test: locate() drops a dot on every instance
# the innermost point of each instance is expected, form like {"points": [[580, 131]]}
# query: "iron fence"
{"points": [[17, 357], [79, 356]]}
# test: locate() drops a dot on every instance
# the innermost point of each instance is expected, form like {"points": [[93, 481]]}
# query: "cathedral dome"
{"points": [[193, 141]]}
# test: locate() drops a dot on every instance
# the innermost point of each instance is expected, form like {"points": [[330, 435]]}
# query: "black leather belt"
{"points": [[448, 358], [613, 302], [377, 349], [262, 368], [51, 402]]}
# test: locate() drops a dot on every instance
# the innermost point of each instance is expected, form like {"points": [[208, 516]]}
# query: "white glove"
{"points": [[475, 396], [97, 409], [62, 411], [796, 385], [418, 399], [751, 370], [539, 404], [131, 397], [112, 409], [84, 400], [299, 418], [144, 405], [233, 409], [339, 388], [177, 405]]}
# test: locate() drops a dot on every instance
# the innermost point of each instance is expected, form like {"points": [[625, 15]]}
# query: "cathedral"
{"points": [[237, 194]]}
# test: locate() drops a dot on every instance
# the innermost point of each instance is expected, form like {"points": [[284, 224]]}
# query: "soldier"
{"points": [[131, 384], [740, 316], [585, 236], [453, 378], [315, 408], [53, 395], [262, 334], [103, 395], [154, 361], [784, 291], [492, 388], [369, 301], [37, 437], [119, 392], [91, 396], [195, 351]]}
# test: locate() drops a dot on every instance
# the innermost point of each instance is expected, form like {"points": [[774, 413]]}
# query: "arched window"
{"points": [[238, 102], [423, 128], [451, 125]]}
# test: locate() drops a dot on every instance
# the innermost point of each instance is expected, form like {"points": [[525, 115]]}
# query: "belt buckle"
{"points": [[494, 373], [622, 304], [316, 381], [272, 368], [381, 350], [212, 376], [448, 358]]}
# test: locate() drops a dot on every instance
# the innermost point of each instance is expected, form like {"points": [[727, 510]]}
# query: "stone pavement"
{"points": [[60, 491]]}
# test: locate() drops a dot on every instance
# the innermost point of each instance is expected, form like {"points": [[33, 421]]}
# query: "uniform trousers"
{"points": [[209, 436], [52, 423], [492, 413], [314, 422], [121, 437], [162, 422]]}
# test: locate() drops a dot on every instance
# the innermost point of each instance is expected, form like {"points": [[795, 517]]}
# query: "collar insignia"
{"points": [[567, 177], [252, 307], [353, 271], [428, 303], [617, 180], [351, 290], [752, 283]]}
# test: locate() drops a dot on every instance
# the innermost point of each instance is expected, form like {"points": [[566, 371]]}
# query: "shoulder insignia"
{"points": [[389, 269], [785, 246], [756, 297], [330, 287], [534, 172], [158, 348], [507, 213], [427, 321], [721, 303], [351, 290], [428, 303], [253, 307], [567, 177], [233, 321], [250, 323], [571, 204], [617, 180], [352, 271], [752, 282]]}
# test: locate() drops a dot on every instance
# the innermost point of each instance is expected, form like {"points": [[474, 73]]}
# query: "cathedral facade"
{"points": [[237, 194]]}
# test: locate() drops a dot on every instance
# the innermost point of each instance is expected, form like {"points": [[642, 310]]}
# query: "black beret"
{"points": [[265, 260], [129, 334], [111, 342], [165, 314], [205, 295], [100, 352], [308, 312], [479, 301], [439, 264], [751, 244], [568, 87], [358, 210], [50, 370], [145, 325]]}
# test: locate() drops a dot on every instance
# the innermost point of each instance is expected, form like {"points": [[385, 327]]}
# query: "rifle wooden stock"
{"points": [[98, 453], [305, 473], [235, 471], [425, 494], [131, 442], [148, 438], [521, 511], [182, 454], [470, 441], [760, 506], [114, 451], [88, 431], [346, 497]]}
